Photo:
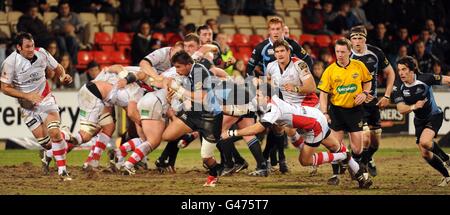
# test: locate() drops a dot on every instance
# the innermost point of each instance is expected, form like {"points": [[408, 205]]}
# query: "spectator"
{"points": [[31, 23], [326, 57], [439, 42], [212, 23], [68, 29], [360, 14], [309, 49], [92, 70], [143, 43], [328, 15], [312, 18], [131, 13], [45, 7], [402, 52], [102, 6], [239, 71], [344, 20], [227, 55], [380, 11], [317, 71], [437, 68], [66, 63], [189, 29], [53, 49], [424, 59], [400, 39], [380, 38]]}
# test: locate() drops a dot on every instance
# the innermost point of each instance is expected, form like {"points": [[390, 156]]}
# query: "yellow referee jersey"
{"points": [[344, 83]]}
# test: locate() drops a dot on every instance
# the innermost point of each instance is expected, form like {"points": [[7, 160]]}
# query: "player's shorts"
{"points": [[90, 103], [319, 131], [372, 114], [434, 122], [209, 125], [153, 106], [36, 116], [346, 119]]}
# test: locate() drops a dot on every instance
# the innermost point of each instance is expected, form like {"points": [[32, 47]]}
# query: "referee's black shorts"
{"points": [[372, 114], [346, 119]]}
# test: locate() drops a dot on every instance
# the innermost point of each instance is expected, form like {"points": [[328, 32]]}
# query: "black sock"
{"points": [[255, 148], [226, 153], [173, 152], [165, 153], [335, 167], [213, 170], [365, 156], [357, 158], [269, 145], [281, 139], [370, 151], [439, 152], [236, 155], [437, 164]]}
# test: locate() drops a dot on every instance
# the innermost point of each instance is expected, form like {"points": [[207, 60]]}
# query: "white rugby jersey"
{"points": [[112, 77], [25, 75], [295, 73], [121, 97], [301, 117], [160, 59]]}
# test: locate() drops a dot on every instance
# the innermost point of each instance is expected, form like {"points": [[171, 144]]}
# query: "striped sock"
{"points": [[59, 152], [130, 145], [139, 153], [327, 157], [297, 140], [100, 146]]}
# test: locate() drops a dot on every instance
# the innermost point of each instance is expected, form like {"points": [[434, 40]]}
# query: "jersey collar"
{"points": [[362, 54], [345, 67], [32, 60]]}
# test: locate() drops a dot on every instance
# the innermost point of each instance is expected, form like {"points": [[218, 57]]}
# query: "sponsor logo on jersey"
{"points": [[144, 113], [82, 113], [406, 93], [346, 89], [437, 77], [355, 75]]}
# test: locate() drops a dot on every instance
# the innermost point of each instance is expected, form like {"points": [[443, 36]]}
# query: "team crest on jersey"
{"points": [[406, 93], [437, 77], [355, 75], [370, 60], [270, 51], [303, 65]]}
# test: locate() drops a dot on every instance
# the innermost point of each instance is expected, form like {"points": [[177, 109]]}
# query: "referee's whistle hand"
{"points": [[360, 98]]}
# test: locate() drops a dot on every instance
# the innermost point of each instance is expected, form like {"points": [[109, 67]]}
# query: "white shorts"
{"points": [[153, 105], [320, 131], [33, 118], [91, 107]]}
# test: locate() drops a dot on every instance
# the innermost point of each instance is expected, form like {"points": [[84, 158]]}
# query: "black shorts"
{"points": [[372, 114], [346, 119], [434, 123], [315, 145], [208, 125]]}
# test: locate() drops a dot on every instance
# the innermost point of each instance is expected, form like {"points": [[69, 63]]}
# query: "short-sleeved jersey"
{"points": [[201, 79], [295, 116], [27, 75], [296, 72], [420, 89], [160, 59], [343, 83], [264, 53], [375, 61]]}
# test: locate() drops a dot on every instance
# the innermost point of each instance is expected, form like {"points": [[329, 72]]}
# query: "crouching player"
{"points": [[310, 122]]}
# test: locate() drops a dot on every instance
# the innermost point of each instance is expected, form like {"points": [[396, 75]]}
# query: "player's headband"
{"points": [[355, 34]]}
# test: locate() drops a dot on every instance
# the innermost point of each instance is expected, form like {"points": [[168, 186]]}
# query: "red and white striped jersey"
{"points": [[296, 73], [306, 119]]}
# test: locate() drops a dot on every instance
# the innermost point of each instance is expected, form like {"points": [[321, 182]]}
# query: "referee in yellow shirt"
{"points": [[347, 82]]}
